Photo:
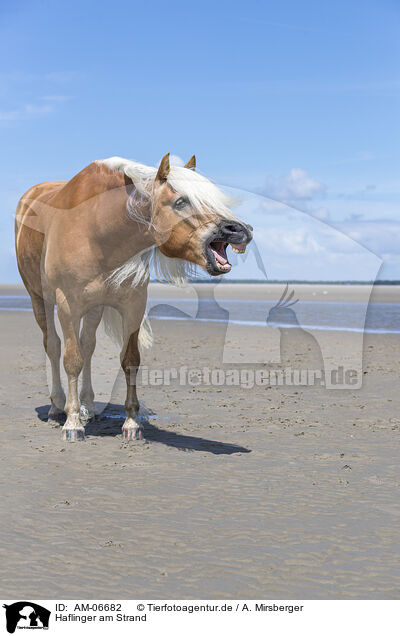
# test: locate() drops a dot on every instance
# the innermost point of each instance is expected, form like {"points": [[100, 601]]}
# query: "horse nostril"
{"points": [[231, 228], [236, 230]]}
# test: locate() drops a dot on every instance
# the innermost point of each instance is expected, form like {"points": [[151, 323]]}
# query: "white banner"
{"points": [[336, 618]]}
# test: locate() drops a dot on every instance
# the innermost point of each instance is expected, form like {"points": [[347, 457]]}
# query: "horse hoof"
{"points": [[74, 434], [132, 434]]}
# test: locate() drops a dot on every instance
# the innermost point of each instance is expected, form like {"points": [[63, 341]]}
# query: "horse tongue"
{"points": [[219, 253]]}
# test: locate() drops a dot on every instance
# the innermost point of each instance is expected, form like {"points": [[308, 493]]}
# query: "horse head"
{"points": [[191, 219]]}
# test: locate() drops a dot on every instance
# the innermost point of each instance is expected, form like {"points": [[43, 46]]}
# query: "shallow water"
{"points": [[326, 316]]}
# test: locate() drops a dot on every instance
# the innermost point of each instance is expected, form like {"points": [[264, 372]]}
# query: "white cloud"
{"points": [[297, 189], [294, 242], [320, 213], [29, 111], [25, 112], [313, 252], [296, 185], [299, 245], [381, 236], [175, 160]]}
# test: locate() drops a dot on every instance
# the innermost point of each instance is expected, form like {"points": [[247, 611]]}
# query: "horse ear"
{"points": [[191, 164], [163, 170]]}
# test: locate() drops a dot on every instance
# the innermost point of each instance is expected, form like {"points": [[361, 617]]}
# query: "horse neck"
{"points": [[119, 235], [98, 197]]}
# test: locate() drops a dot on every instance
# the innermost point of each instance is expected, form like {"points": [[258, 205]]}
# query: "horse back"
{"points": [[38, 205]]}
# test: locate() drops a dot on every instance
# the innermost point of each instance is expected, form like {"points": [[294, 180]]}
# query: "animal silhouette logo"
{"points": [[281, 315], [298, 347], [26, 615]]}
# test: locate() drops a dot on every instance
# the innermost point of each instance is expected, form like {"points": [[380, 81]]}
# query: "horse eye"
{"points": [[180, 203]]}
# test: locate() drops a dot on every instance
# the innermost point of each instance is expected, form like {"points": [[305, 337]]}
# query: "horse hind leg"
{"points": [[73, 429], [87, 341], [44, 314]]}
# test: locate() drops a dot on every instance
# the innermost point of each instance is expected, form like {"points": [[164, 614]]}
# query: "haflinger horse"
{"points": [[87, 247]]}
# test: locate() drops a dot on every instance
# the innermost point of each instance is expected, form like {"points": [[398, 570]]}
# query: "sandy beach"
{"points": [[264, 492]]}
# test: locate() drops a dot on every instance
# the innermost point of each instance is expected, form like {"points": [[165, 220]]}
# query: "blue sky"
{"points": [[296, 101]]}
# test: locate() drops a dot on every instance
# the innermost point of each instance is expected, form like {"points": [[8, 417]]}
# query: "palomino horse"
{"points": [[88, 244]]}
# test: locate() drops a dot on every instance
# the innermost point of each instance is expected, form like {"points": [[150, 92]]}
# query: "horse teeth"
{"points": [[238, 251]]}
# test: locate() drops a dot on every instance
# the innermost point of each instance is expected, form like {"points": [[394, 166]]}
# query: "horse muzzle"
{"points": [[232, 233]]}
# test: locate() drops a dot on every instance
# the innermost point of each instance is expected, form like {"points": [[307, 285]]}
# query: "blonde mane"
{"points": [[201, 193]]}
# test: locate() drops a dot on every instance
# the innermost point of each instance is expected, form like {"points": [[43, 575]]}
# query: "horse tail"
{"points": [[112, 323]]}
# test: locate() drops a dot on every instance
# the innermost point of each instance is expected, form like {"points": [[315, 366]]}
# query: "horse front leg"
{"points": [[132, 428], [73, 429]]}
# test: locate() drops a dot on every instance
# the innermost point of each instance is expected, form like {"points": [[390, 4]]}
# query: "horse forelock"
{"points": [[203, 194]]}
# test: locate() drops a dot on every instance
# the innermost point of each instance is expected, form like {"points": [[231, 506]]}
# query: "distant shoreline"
{"points": [[250, 281]]}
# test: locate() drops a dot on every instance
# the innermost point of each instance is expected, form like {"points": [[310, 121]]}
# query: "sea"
{"points": [[378, 318]]}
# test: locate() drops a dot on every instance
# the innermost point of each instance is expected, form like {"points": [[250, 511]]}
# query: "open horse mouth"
{"points": [[234, 234]]}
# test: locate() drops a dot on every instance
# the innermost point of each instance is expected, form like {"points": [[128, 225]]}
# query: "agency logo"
{"points": [[26, 615]]}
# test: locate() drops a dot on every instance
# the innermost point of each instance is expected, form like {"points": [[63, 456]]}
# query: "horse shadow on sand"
{"points": [[111, 418]]}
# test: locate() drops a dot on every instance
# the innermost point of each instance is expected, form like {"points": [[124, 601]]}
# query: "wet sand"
{"points": [[303, 291], [270, 492]]}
